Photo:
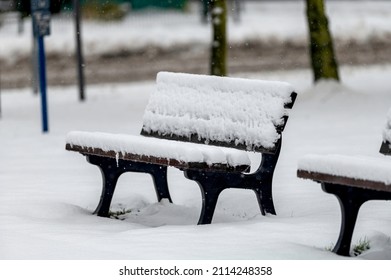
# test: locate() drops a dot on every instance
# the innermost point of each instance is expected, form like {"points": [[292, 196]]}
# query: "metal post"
{"points": [[42, 83], [35, 67], [79, 52], [41, 27], [0, 91]]}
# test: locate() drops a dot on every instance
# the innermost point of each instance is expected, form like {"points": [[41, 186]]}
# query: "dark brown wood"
{"points": [[195, 139], [156, 160], [346, 181]]}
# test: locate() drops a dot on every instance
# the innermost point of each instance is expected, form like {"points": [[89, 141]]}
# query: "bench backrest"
{"points": [[231, 112], [385, 147]]}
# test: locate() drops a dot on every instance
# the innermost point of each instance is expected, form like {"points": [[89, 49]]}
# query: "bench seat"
{"points": [[359, 171], [182, 155]]}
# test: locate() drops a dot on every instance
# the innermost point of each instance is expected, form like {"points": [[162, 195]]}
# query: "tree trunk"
{"points": [[323, 59], [219, 42]]}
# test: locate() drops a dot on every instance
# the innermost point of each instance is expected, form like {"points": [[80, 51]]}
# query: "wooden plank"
{"points": [[196, 139], [346, 181], [157, 160]]}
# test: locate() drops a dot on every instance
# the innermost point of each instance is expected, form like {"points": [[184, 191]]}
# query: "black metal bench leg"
{"points": [[111, 169], [261, 202], [209, 201], [110, 174], [264, 182], [159, 176], [350, 200], [110, 180], [210, 187]]}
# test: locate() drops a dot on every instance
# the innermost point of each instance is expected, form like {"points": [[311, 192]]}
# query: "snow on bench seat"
{"points": [[160, 151], [359, 171], [218, 110]]}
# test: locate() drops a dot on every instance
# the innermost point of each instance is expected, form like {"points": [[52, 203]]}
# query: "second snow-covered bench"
{"points": [[202, 125], [353, 180]]}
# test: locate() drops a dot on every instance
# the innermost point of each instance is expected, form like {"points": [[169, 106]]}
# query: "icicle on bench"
{"points": [[202, 125], [354, 180]]}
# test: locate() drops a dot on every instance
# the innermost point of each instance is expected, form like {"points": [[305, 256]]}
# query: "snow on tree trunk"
{"points": [[323, 59], [219, 41]]}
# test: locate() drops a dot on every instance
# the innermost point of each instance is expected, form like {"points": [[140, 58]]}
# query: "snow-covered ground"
{"points": [[47, 194]]}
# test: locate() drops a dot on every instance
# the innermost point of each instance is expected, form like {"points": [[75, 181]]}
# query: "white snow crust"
{"points": [[148, 146], [217, 108], [371, 168]]}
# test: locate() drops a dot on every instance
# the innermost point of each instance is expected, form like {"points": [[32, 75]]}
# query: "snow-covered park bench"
{"points": [[203, 125], [354, 180]]}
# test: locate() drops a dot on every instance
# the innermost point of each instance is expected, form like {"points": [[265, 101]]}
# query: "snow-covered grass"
{"points": [[48, 194]]}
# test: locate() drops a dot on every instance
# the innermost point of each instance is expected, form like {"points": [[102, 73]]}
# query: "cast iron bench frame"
{"points": [[212, 180]]}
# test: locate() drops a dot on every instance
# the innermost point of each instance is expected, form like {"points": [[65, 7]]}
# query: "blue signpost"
{"points": [[0, 101], [41, 27]]}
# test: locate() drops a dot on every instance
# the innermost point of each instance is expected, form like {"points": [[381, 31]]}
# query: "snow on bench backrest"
{"points": [[246, 114], [387, 129], [386, 145]]}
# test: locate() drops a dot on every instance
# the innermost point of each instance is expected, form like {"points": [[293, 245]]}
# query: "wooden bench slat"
{"points": [[156, 160], [346, 181], [361, 169], [195, 139]]}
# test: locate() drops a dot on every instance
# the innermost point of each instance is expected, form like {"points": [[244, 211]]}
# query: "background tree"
{"points": [[324, 63], [218, 9]]}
